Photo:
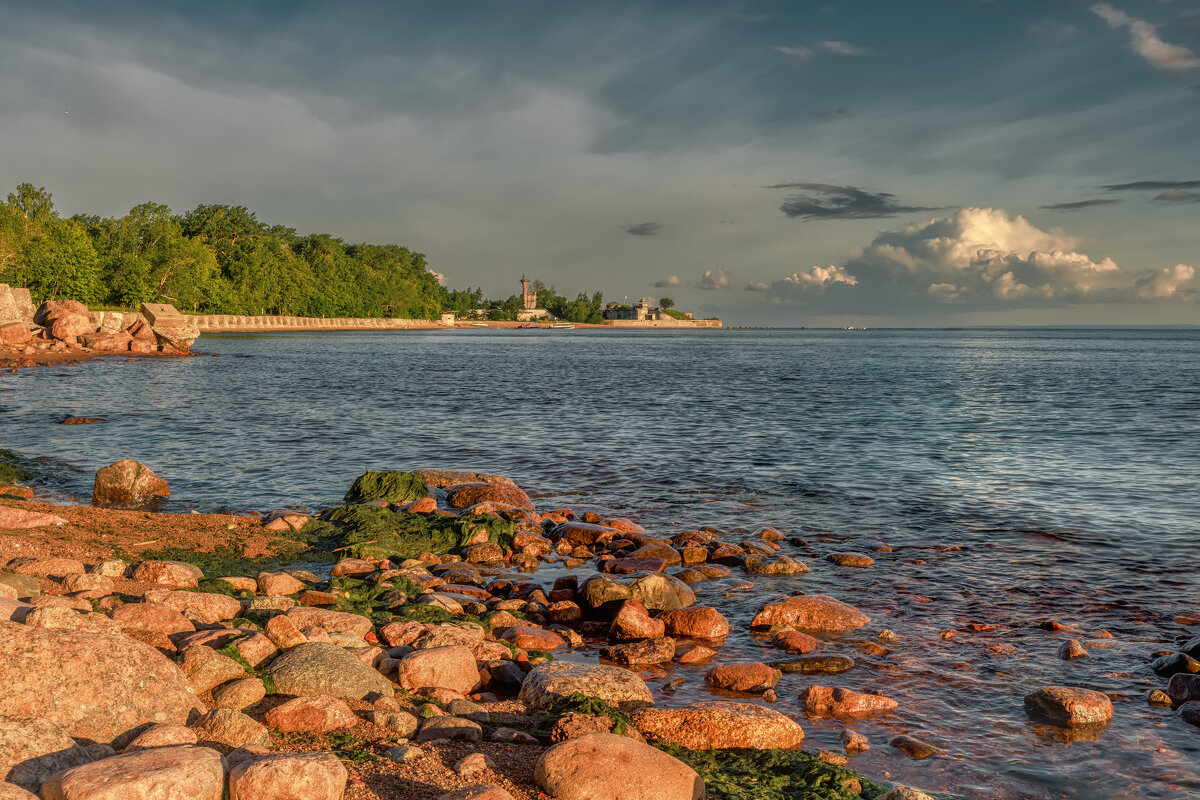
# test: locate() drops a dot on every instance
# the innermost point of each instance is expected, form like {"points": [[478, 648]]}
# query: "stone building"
{"points": [[530, 310], [642, 312]]}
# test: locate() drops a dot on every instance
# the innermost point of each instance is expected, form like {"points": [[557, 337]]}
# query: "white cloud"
{"points": [[662, 283], [800, 285], [714, 279], [1143, 40], [1167, 283], [844, 48], [988, 257], [441, 279], [757, 286]]}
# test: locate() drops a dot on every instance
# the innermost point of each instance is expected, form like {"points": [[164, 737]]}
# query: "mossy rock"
{"points": [[372, 532], [774, 775], [394, 487], [11, 470]]}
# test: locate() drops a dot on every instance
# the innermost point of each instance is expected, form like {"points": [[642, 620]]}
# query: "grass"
{"points": [[230, 651]]}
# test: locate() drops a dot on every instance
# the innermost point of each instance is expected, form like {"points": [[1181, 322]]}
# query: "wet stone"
{"points": [[812, 665], [913, 747]]}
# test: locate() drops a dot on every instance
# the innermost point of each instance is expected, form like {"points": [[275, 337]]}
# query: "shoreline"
{"points": [[93, 537]]}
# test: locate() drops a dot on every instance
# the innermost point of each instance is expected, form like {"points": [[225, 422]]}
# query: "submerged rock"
{"points": [[811, 613], [1069, 706]]}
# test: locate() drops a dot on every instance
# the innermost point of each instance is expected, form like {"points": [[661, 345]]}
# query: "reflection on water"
{"points": [[1019, 476]]}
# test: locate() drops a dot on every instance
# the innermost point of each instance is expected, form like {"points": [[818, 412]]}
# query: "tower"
{"points": [[528, 298]]}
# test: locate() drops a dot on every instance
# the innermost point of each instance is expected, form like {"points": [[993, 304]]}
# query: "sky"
{"points": [[941, 162]]}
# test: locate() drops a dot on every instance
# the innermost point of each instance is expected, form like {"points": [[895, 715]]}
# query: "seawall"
{"points": [[665, 323], [212, 323]]}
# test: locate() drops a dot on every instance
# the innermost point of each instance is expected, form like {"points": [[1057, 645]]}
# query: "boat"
{"points": [[479, 324], [565, 326], [529, 325]]}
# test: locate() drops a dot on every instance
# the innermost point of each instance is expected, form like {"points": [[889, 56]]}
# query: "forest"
{"points": [[220, 259]]}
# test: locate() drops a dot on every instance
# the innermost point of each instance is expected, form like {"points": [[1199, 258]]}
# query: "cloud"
{"points": [[714, 279], [441, 279], [844, 48], [663, 283], [985, 257], [800, 285], [1052, 31], [1139, 186], [757, 286], [1167, 283], [802, 53], [643, 229], [1079, 205], [1176, 197], [1143, 40], [826, 201]]}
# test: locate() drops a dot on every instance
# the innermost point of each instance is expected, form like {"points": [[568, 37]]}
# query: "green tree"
{"points": [[665, 303]]}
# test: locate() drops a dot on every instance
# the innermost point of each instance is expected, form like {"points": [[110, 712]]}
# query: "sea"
{"points": [[1018, 477]]}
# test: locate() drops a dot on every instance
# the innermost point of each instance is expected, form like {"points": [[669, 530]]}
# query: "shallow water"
{"points": [[1063, 463]]}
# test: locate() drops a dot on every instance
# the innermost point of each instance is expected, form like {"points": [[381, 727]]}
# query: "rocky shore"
{"points": [[418, 641], [65, 330]]}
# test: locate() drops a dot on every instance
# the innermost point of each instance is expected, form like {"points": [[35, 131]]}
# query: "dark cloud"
{"points": [[1176, 197], [1079, 205], [643, 229], [1150, 186], [826, 201]]}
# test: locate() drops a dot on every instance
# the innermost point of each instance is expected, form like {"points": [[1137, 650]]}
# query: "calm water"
{"points": [[1062, 466]]}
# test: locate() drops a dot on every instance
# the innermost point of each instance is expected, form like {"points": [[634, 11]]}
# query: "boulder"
{"points": [[203, 607], [168, 573], [604, 765], [700, 622], [95, 686], [232, 728], [753, 677], [326, 669], [1069, 706], [1183, 687], [811, 613], [162, 735], [552, 683], [128, 483], [69, 619], [14, 519], [465, 495], [823, 701], [719, 726], [283, 776], [528, 637], [32, 749], [14, 333], [633, 621], [10, 791], [452, 728], [452, 667], [171, 328], [24, 586], [656, 592], [151, 617], [239, 694], [278, 583], [644, 652], [205, 668], [314, 714], [163, 773], [330, 621]]}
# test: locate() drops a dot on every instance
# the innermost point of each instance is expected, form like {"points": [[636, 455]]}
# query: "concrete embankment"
{"points": [[214, 323]]}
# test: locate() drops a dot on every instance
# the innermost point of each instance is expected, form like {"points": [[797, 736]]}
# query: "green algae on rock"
{"points": [[394, 487], [10, 469], [773, 775], [373, 532]]}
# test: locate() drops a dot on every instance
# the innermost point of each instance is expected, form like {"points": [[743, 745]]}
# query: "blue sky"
{"points": [[871, 163]]}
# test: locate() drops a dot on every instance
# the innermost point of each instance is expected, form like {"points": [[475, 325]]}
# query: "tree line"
{"points": [[220, 259]]}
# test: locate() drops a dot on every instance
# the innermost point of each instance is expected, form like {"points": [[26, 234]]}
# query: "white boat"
{"points": [[568, 326]]}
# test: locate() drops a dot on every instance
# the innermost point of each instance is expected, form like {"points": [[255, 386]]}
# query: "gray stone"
{"points": [[404, 753], [25, 586], [450, 728], [324, 668]]}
